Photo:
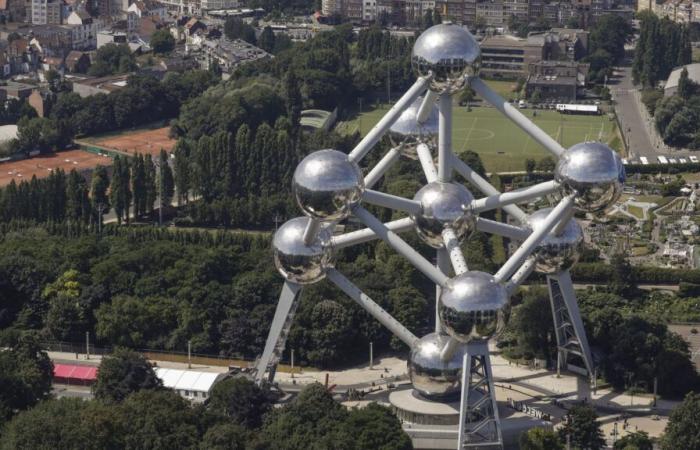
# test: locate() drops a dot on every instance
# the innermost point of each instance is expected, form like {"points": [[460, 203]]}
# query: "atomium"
{"points": [[449, 53], [327, 185], [443, 205], [592, 171], [473, 306], [430, 375], [556, 252], [296, 261], [408, 133]]}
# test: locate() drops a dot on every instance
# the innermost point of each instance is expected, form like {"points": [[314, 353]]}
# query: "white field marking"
{"points": [[469, 133], [602, 129]]}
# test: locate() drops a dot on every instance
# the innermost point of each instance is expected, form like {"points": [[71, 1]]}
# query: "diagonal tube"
{"points": [[516, 116], [521, 195], [366, 235], [425, 157], [398, 244], [443, 264], [382, 166], [527, 247], [520, 276], [445, 138], [502, 229], [427, 106], [372, 308], [388, 120], [391, 201], [459, 264], [485, 187]]}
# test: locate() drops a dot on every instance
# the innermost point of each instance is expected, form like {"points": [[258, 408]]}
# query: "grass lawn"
{"points": [[503, 146], [636, 211], [504, 88], [696, 54]]}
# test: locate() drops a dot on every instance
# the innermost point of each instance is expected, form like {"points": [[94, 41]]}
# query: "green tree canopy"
{"points": [[241, 401], [162, 41], [683, 429], [122, 373], [540, 439], [582, 429]]}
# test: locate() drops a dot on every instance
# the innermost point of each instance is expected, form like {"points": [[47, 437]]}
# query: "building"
{"points": [[331, 7], [680, 11], [89, 86], [13, 89], [85, 30], [225, 53], [556, 80], [14, 10], [46, 12], [509, 57], [671, 86], [192, 385], [492, 13], [53, 40], [148, 8], [105, 37], [77, 62], [515, 8]]}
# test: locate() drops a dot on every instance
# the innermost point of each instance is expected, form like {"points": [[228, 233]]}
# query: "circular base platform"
{"points": [[410, 406]]}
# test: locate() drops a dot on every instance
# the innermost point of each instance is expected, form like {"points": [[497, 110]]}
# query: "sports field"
{"points": [[503, 146], [41, 166], [145, 141]]}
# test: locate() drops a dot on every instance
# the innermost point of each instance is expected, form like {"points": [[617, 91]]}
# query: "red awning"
{"points": [[74, 373]]}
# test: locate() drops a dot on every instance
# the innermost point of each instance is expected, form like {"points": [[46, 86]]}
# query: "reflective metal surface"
{"points": [[450, 52], [327, 184], [473, 306], [430, 375], [296, 261], [594, 172], [408, 133], [556, 252], [443, 206]]}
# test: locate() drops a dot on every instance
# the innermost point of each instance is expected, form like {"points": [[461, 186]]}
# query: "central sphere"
{"points": [[297, 261], [472, 306], [408, 133], [450, 53], [593, 171], [443, 205], [556, 252], [430, 375], [327, 185]]}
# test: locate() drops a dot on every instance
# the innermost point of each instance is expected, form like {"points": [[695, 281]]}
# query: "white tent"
{"points": [[191, 384]]}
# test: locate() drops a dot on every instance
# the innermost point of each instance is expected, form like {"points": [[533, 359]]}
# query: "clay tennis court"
{"points": [[43, 165], [145, 141]]}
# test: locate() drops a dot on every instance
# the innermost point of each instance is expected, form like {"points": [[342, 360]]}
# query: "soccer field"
{"points": [[503, 146]]}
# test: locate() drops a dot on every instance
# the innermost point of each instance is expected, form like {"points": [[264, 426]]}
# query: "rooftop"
{"points": [[693, 74]]}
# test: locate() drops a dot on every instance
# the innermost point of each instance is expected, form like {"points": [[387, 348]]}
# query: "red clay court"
{"points": [[42, 165], [145, 141]]}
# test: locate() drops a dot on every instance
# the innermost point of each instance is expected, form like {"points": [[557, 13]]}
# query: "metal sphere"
{"points": [[327, 185], [556, 252], [408, 133], [443, 206], [430, 375], [296, 261], [450, 53], [593, 171], [473, 306]]}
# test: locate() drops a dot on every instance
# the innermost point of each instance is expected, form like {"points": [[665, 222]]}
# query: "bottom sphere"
{"points": [[430, 375]]}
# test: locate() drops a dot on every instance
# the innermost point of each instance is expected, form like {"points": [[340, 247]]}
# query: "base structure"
{"points": [[479, 424], [573, 352]]}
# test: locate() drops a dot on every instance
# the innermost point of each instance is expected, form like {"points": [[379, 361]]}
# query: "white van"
{"points": [[522, 104]]}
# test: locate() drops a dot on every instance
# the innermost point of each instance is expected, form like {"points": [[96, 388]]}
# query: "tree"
{"points": [[65, 319], [683, 429], [546, 164], [639, 440], [111, 59], [166, 184], [530, 165], [237, 29], [582, 429], [98, 193], [225, 436], [241, 401], [375, 426], [122, 373], [685, 85], [25, 373], [162, 41], [540, 439], [428, 19], [533, 326], [267, 40]]}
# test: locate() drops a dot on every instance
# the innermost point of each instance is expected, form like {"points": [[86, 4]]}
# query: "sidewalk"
{"points": [[70, 358]]}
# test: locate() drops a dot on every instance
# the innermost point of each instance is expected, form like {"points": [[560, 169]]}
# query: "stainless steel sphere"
{"points": [[443, 206], [430, 375], [450, 53], [408, 133], [556, 252], [327, 185], [296, 261], [473, 306], [594, 171]]}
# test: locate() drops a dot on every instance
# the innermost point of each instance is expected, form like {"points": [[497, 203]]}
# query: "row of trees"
{"points": [[677, 117], [607, 45], [662, 46]]}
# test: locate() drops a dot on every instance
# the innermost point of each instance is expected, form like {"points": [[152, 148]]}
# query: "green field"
{"points": [[503, 146]]}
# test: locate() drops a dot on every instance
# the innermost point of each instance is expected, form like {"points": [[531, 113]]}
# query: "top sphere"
{"points": [[472, 306], [327, 185], [450, 53], [443, 205], [408, 133], [594, 172]]}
